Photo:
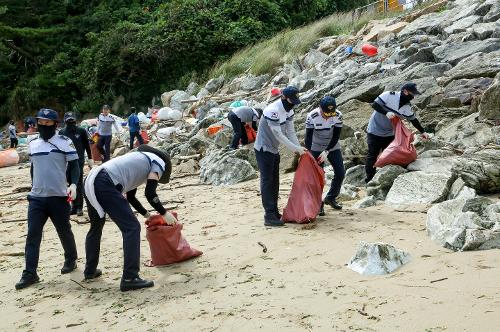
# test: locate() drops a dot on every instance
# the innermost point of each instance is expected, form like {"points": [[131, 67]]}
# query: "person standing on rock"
{"points": [[51, 156], [238, 118], [134, 128], [275, 127], [105, 122], [105, 187], [323, 127], [80, 139], [12, 135], [380, 130]]}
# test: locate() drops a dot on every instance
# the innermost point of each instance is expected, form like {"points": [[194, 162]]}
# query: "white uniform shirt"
{"points": [[323, 129]]}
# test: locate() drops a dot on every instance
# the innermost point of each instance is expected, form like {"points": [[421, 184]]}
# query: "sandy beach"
{"points": [[301, 283]]}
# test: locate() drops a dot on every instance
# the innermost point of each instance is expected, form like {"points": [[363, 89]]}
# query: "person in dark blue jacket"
{"points": [[134, 128]]}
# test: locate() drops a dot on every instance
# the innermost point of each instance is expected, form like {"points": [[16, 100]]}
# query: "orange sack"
{"points": [[166, 243], [251, 134], [9, 157], [401, 151], [305, 198]]}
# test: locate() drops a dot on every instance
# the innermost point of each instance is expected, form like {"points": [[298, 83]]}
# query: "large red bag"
{"points": [[166, 243], [145, 138], [401, 151], [96, 154], [305, 198], [251, 134]]}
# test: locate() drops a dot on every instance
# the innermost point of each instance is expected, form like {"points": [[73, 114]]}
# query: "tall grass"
{"points": [[267, 56]]}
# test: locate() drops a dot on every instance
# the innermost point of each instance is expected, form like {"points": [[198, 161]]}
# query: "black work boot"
{"points": [[135, 283], [27, 279], [68, 267], [333, 203], [97, 273], [322, 210]]}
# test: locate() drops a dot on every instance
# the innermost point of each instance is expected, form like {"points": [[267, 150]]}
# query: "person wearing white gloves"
{"points": [[106, 187], [50, 155], [323, 128], [105, 131], [275, 128], [80, 139], [380, 130]]}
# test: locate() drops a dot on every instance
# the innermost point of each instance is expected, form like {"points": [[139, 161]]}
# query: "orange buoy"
{"points": [[369, 50]]}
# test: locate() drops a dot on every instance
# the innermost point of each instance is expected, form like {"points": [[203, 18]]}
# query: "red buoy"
{"points": [[369, 50]]}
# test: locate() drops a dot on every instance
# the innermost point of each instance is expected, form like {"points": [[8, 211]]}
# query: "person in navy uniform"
{"points": [[323, 128], [51, 155], [80, 139], [105, 187]]}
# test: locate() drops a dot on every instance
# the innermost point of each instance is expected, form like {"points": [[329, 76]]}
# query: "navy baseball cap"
{"points": [[69, 116], [328, 104], [412, 87], [291, 93], [47, 114]]}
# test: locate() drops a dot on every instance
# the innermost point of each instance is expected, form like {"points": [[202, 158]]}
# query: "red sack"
{"points": [[401, 151], [166, 243], [96, 154], [251, 134], [145, 138], [305, 198]]}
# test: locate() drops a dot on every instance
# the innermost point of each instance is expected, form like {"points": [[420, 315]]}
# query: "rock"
{"points": [[188, 167], [429, 70], [214, 84], [379, 32], [419, 188], [368, 70], [366, 92], [489, 107], [347, 192], [166, 96], [365, 202], [479, 169], [356, 114], [462, 24], [175, 101], [429, 87], [355, 176], [422, 55], [120, 151], [433, 165], [192, 89], [251, 82], [485, 30], [24, 156], [288, 160], [461, 92], [430, 24], [474, 66], [467, 132], [223, 137], [377, 258], [453, 53], [203, 93], [328, 44], [202, 112], [465, 224], [383, 180], [314, 57], [494, 14], [460, 190], [354, 150], [223, 168]]}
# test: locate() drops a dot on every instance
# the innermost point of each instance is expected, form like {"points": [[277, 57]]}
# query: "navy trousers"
{"points": [[269, 167], [337, 162], [376, 144], [104, 146], [133, 135], [39, 210], [117, 207], [239, 132]]}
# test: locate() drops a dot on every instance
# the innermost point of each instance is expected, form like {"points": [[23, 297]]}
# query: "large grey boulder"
{"points": [[454, 52], [355, 176], [377, 258], [428, 70], [465, 224], [365, 202], [485, 30], [175, 101], [419, 188], [214, 84], [314, 57], [224, 168], [354, 150], [462, 24], [356, 114], [489, 107], [480, 170], [467, 132], [251, 83], [383, 180], [474, 66], [460, 190], [166, 96], [463, 91], [433, 164]]}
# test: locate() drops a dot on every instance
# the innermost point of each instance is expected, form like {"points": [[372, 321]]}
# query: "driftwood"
{"points": [[194, 156]]}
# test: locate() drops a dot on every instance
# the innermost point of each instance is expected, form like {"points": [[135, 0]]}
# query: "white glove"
{"points": [[390, 115], [301, 150], [425, 136], [72, 191], [169, 218], [322, 157], [91, 163]]}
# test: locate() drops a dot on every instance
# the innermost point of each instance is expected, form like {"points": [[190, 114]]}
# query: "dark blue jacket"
{"points": [[133, 123]]}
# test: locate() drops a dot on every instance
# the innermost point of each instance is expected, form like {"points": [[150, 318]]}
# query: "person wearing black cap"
{"points": [[50, 155], [238, 118], [80, 139], [134, 128], [105, 131], [275, 127], [104, 189], [380, 131], [12, 135], [323, 127]]}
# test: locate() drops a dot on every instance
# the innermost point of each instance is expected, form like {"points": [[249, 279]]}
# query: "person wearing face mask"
{"points": [[105, 122], [80, 139], [51, 155], [380, 131], [275, 127]]}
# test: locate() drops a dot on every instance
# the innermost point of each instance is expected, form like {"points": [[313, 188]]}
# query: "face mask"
{"points": [[288, 106], [71, 126], [405, 99], [46, 132]]}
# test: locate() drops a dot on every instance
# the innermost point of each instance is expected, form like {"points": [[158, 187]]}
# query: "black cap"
{"points": [[291, 93], [165, 178], [411, 87], [69, 116]]}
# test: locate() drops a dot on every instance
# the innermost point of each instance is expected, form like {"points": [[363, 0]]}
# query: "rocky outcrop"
{"points": [[489, 107], [225, 168], [480, 169], [377, 258], [383, 180]]}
